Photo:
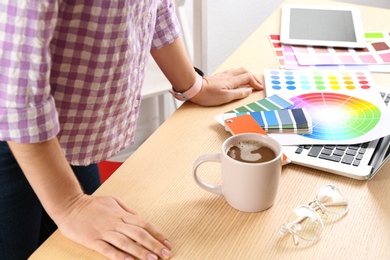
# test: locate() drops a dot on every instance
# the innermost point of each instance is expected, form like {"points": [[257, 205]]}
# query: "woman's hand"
{"points": [[227, 86], [107, 226]]}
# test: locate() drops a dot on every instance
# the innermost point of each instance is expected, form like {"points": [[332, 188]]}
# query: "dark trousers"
{"points": [[24, 224]]}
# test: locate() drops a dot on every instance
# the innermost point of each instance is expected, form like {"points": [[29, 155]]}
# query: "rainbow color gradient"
{"points": [[338, 116], [344, 105]]}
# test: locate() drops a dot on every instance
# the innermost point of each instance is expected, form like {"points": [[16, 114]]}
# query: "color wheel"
{"points": [[338, 117]]}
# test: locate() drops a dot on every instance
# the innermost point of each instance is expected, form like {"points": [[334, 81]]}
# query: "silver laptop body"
{"points": [[358, 161]]}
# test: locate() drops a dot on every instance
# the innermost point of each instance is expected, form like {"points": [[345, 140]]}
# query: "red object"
{"points": [[107, 168]]}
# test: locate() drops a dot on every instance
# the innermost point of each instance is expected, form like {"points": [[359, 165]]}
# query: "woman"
{"points": [[70, 82]]}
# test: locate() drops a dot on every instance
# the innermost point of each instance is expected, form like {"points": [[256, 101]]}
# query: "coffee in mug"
{"points": [[251, 151], [251, 166]]}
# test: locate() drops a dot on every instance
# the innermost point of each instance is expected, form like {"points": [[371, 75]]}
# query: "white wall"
{"points": [[375, 3], [227, 24], [230, 22]]}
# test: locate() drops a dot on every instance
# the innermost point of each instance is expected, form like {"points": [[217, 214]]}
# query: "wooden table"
{"points": [[157, 181]]}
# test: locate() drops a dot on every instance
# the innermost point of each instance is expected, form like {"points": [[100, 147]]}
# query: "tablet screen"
{"points": [[322, 26]]}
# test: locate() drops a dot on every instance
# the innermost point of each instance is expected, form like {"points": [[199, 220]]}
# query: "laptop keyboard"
{"points": [[386, 97], [346, 154]]}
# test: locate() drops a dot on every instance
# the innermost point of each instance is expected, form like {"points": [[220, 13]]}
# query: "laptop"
{"points": [[358, 161]]}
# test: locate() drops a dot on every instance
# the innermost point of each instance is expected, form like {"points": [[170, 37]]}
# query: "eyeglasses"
{"points": [[305, 223]]}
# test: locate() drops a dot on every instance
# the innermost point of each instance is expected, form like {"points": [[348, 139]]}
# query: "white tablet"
{"points": [[314, 25]]}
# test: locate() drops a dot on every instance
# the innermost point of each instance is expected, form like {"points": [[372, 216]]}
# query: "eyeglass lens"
{"points": [[331, 199], [303, 223]]}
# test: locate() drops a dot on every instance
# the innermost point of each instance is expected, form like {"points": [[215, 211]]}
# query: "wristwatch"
{"points": [[193, 90]]}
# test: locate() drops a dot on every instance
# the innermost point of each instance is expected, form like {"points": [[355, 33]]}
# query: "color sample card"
{"points": [[374, 53], [278, 49], [274, 102], [377, 36], [344, 106], [282, 121], [287, 59]]}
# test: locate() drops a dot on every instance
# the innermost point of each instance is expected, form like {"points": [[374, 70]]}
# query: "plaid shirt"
{"points": [[74, 69]]}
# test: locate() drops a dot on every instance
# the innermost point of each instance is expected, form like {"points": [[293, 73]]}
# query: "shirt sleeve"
{"points": [[27, 109], [167, 26]]}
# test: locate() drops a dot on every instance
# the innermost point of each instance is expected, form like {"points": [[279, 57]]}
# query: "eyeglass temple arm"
{"points": [[339, 203], [287, 227]]}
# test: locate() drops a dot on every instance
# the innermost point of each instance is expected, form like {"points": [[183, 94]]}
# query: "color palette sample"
{"points": [[344, 106], [282, 121], [278, 49], [287, 58], [274, 102], [318, 80], [374, 53]]}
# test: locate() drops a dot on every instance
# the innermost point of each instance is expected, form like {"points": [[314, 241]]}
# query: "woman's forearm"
{"points": [[49, 174], [95, 222]]}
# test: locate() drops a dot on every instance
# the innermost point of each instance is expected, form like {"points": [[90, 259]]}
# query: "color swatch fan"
{"points": [[270, 103], [269, 114], [293, 121], [344, 106]]}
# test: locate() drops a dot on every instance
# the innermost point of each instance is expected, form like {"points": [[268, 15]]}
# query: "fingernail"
{"points": [[248, 91], [166, 253], [151, 257], [167, 244]]}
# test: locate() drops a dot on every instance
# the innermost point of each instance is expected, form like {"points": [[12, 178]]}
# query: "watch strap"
{"points": [[193, 90]]}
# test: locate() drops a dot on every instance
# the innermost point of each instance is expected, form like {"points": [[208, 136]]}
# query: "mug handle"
{"points": [[203, 184]]}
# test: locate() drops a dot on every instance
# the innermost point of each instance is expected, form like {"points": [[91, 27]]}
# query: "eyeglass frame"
{"points": [[318, 205]]}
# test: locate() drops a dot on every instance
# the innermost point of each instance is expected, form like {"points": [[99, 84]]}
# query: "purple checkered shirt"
{"points": [[74, 69]]}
